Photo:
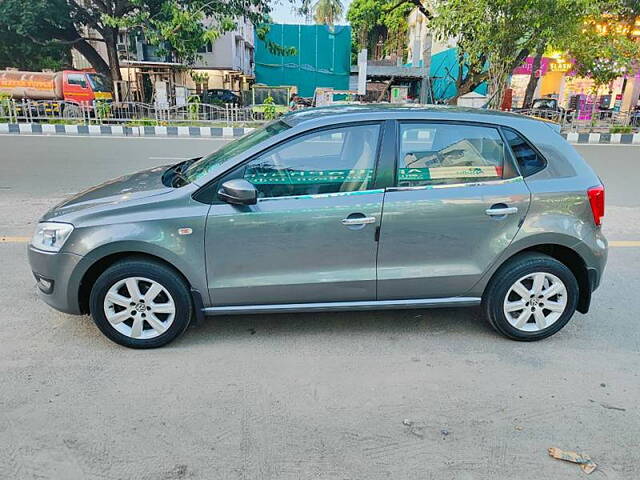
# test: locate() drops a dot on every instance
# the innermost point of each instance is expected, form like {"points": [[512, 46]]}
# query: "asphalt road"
{"points": [[425, 394]]}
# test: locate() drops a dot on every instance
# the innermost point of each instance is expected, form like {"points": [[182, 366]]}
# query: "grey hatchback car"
{"points": [[337, 208]]}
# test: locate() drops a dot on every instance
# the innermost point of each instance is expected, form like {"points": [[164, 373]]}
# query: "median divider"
{"points": [[233, 132], [121, 130]]}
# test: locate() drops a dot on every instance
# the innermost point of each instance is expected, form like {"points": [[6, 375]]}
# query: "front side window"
{"points": [[77, 79], [528, 159], [437, 154], [326, 161]]}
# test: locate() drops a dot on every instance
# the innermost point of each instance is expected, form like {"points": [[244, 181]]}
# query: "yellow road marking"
{"points": [[612, 243], [624, 243], [4, 239]]}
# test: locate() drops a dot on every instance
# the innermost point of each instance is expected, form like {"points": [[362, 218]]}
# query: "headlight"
{"points": [[50, 236]]}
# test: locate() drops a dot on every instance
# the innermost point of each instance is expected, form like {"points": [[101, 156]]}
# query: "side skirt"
{"points": [[344, 306]]}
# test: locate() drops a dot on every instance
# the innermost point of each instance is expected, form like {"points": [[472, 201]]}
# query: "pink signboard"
{"points": [[527, 66]]}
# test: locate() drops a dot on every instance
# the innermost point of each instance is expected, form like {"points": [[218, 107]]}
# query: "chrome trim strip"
{"points": [[340, 306]]}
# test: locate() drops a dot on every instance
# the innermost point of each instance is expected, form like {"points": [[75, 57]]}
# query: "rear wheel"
{"points": [[531, 297], [141, 304]]}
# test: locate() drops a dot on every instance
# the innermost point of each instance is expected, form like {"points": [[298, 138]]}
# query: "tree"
{"points": [[178, 24], [327, 12], [603, 51], [24, 54], [495, 36], [373, 19]]}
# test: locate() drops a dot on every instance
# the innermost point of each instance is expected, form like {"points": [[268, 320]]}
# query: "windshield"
{"points": [[98, 83], [208, 163]]}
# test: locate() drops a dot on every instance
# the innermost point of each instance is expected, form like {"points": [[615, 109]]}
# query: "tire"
{"points": [[524, 270], [137, 320]]}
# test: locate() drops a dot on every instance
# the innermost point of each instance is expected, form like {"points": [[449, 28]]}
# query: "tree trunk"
{"points": [[93, 57], [111, 39], [533, 80]]}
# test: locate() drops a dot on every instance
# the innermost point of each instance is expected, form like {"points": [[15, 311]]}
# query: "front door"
{"points": [[310, 237], [458, 203]]}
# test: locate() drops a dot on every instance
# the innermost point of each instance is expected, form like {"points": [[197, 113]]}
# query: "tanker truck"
{"points": [[51, 88]]}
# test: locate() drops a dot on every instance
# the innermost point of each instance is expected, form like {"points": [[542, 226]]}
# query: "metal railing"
{"points": [[133, 113], [138, 114], [589, 120]]}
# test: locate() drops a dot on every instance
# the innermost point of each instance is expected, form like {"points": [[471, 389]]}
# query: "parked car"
{"points": [[547, 108], [337, 208], [220, 95]]}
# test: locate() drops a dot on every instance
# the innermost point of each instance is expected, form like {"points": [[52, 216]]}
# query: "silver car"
{"points": [[340, 208]]}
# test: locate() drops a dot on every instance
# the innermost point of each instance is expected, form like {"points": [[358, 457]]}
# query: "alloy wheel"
{"points": [[535, 302], [139, 308]]}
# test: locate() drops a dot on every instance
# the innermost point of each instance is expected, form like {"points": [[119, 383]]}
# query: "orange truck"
{"points": [[68, 85]]}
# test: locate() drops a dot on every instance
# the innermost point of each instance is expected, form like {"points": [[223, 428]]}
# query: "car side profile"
{"points": [[337, 208]]}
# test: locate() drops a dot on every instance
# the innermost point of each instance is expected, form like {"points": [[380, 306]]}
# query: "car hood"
{"points": [[125, 189]]}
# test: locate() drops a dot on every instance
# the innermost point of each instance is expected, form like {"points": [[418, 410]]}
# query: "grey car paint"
{"points": [[137, 214]]}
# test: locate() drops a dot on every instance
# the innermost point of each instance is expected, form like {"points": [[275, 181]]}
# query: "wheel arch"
{"points": [[99, 260], [565, 255]]}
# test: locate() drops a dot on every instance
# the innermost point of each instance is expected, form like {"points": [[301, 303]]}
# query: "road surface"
{"points": [[424, 394]]}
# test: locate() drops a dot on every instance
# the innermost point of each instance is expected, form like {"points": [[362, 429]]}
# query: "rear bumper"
{"points": [[53, 273]]}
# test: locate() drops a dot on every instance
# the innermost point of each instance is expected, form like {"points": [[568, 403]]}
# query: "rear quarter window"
{"points": [[528, 158]]}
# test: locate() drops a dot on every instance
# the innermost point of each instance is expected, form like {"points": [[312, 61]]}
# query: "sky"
{"points": [[283, 11]]}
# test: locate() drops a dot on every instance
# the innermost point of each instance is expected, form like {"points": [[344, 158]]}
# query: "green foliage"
{"points": [[23, 53], [371, 19], [501, 33], [185, 26], [602, 52], [103, 109], [327, 12], [269, 108], [621, 129], [193, 107]]}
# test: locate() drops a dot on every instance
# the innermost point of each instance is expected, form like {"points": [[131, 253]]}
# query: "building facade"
{"points": [[228, 62]]}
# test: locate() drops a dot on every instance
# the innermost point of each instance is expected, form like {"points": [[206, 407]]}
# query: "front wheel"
{"points": [[531, 297], [141, 304]]}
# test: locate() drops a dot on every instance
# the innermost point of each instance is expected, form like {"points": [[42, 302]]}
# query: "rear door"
{"points": [[457, 204]]}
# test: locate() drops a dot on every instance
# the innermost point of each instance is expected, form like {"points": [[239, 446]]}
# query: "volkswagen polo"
{"points": [[337, 208]]}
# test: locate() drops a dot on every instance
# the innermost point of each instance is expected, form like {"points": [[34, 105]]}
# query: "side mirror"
{"points": [[238, 192]]}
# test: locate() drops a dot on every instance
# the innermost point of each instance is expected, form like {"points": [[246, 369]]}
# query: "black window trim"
{"points": [[513, 164], [529, 144], [208, 193]]}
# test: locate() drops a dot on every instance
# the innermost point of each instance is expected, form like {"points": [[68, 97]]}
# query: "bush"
{"points": [[621, 129]]}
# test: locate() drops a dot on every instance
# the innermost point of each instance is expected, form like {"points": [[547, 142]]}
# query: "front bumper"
{"points": [[54, 275]]}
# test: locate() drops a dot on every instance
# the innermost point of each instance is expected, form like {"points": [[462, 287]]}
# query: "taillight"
{"points": [[596, 200]]}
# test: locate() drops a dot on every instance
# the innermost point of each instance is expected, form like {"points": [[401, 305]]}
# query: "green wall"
{"points": [[322, 57]]}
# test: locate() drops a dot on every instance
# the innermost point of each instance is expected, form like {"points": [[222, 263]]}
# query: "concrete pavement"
{"points": [[425, 394]]}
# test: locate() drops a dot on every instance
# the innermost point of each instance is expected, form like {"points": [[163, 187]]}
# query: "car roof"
{"points": [[350, 112]]}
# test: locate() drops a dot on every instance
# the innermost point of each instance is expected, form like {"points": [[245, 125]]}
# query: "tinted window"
{"points": [[76, 79], [434, 154], [328, 161], [528, 159]]}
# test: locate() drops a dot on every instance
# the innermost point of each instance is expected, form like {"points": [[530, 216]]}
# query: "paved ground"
{"points": [[427, 394]]}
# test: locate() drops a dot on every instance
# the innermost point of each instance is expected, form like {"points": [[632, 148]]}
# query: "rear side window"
{"points": [[440, 154], [528, 159]]}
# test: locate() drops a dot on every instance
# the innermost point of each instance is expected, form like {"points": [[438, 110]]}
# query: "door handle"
{"points": [[500, 211], [358, 221]]}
